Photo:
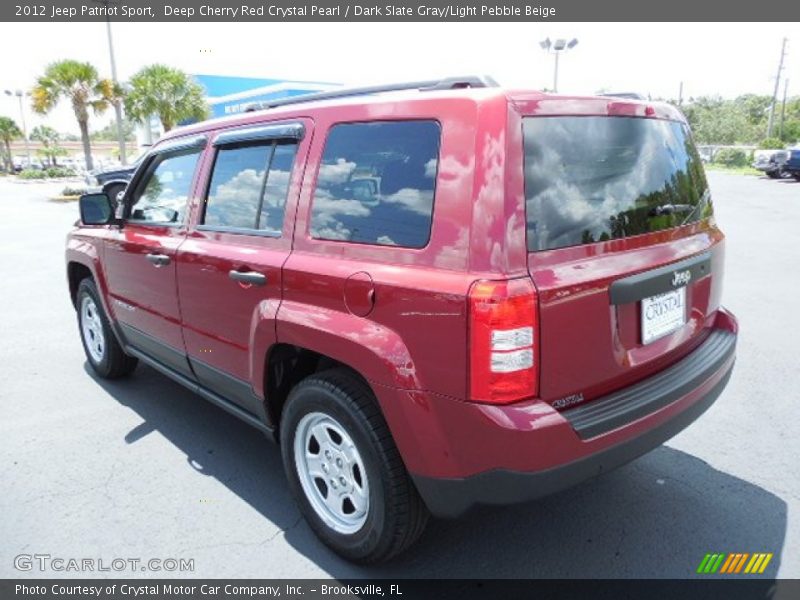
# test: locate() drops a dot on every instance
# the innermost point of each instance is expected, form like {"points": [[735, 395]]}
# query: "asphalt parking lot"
{"points": [[144, 469]]}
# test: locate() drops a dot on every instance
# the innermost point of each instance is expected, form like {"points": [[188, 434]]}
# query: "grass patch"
{"points": [[748, 170]]}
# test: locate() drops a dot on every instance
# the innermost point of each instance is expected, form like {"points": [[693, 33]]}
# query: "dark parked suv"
{"points": [[433, 296]]}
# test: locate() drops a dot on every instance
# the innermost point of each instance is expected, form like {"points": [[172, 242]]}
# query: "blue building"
{"points": [[230, 95]]}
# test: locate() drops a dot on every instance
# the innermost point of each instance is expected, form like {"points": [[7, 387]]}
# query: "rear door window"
{"points": [[591, 179], [376, 183], [249, 185]]}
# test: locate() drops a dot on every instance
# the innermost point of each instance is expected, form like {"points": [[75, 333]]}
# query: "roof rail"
{"points": [[448, 83]]}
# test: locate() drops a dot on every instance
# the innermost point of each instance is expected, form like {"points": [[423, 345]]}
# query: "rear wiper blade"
{"points": [[669, 209], [700, 205]]}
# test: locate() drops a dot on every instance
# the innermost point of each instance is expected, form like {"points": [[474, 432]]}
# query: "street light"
{"points": [[20, 95], [557, 47], [117, 104]]}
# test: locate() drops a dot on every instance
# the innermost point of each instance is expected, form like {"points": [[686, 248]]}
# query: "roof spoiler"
{"points": [[626, 95]]}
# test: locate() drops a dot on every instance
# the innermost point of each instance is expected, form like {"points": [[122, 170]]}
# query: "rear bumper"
{"points": [[545, 451]]}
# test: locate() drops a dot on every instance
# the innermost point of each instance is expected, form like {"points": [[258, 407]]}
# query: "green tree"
{"points": [[770, 143], [79, 83], [166, 92], [49, 139], [742, 120], [109, 132], [8, 131]]}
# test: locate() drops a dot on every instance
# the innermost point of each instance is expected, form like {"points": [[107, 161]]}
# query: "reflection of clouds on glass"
{"points": [[238, 186], [593, 178], [277, 188], [166, 193], [277, 185], [234, 203], [430, 168], [419, 201], [375, 183], [326, 222], [338, 172]]}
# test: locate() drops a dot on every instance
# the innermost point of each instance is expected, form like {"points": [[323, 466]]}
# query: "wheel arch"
{"points": [[286, 365]]}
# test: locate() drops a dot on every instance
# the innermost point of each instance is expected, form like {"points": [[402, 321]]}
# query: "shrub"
{"points": [[70, 191], [771, 144], [731, 157], [32, 174], [60, 172]]}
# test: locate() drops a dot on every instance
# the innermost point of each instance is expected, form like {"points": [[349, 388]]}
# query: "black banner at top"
{"points": [[396, 11]]}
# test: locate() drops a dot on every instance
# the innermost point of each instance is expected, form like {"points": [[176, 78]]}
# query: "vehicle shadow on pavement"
{"points": [[656, 517]]}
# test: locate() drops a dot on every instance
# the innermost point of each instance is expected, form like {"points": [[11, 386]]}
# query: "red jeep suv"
{"points": [[432, 295]]}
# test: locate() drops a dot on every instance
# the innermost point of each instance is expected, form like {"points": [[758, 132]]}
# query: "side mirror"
{"points": [[96, 209]]}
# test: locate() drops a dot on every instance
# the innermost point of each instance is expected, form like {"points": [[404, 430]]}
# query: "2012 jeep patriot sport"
{"points": [[432, 298]]}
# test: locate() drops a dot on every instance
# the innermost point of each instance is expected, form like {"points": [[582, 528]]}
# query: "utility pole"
{"points": [[117, 102], [20, 95], [775, 91], [680, 94], [783, 107]]}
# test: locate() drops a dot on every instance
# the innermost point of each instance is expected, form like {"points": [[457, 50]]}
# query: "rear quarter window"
{"points": [[376, 183], [591, 179]]}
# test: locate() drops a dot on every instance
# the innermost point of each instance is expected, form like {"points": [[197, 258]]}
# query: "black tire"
{"points": [[114, 363], [774, 174], [796, 176], [396, 516]]}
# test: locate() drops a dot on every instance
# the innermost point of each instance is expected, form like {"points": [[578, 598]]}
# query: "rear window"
{"points": [[376, 183], [591, 179]]}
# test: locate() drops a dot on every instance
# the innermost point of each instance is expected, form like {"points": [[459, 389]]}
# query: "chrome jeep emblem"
{"points": [[680, 278]]}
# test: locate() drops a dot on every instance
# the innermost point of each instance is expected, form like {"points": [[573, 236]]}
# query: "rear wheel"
{"points": [[774, 174], [103, 352], [345, 471]]}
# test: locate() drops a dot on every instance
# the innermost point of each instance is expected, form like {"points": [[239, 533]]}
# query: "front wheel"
{"points": [[345, 470], [103, 352]]}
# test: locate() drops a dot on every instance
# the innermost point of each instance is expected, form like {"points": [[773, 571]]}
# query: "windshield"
{"points": [[591, 179]]}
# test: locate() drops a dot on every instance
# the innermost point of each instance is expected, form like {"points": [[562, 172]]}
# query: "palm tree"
{"points": [[169, 93], [8, 131], [49, 139], [79, 83]]}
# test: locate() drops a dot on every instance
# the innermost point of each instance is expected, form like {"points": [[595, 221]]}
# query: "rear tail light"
{"points": [[503, 347]]}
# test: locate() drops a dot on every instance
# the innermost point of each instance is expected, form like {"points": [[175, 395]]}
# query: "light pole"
{"points": [[20, 95], [557, 48], [117, 104], [775, 92]]}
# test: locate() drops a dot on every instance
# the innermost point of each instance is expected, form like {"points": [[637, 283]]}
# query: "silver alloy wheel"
{"points": [[92, 329], [331, 472]]}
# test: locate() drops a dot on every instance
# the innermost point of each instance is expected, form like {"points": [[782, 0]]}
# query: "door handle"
{"points": [[158, 260], [251, 277]]}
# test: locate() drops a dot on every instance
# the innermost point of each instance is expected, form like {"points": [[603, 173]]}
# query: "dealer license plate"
{"points": [[663, 314]]}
